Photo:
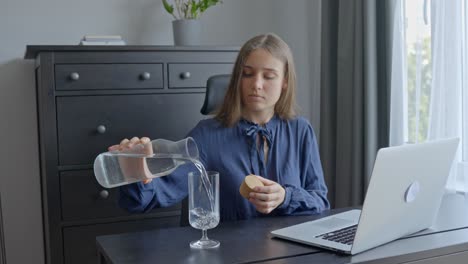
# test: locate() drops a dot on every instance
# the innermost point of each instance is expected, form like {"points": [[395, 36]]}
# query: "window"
{"points": [[429, 93]]}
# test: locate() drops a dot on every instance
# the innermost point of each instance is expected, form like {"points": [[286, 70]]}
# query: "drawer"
{"points": [[83, 198], [80, 242], [195, 75], [108, 76], [88, 125]]}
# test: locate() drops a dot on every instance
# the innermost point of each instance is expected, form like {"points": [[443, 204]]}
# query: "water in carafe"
{"points": [[157, 158]]}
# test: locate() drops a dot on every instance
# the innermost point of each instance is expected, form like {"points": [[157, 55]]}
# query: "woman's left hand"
{"points": [[267, 198]]}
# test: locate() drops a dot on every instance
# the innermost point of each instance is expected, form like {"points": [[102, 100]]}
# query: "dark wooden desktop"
{"points": [[250, 241]]}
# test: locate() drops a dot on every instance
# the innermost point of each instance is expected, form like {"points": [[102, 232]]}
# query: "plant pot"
{"points": [[186, 32]]}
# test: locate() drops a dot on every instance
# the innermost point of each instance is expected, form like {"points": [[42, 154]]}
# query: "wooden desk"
{"points": [[251, 241]]}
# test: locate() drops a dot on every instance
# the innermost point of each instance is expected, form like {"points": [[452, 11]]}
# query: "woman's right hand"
{"points": [[133, 145], [134, 167]]}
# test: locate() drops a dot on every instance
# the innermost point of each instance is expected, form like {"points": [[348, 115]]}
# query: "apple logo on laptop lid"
{"points": [[412, 192]]}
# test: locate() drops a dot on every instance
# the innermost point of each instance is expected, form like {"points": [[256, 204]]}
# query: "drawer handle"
{"points": [[145, 76], [101, 129], [185, 75], [104, 194], [74, 76]]}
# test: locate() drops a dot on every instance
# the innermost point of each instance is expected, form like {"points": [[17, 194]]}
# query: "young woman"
{"points": [[256, 131]]}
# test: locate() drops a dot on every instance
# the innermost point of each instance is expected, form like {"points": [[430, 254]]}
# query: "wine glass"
{"points": [[204, 206]]}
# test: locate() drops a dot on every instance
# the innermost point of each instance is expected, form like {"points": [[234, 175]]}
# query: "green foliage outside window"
{"points": [[418, 130]]}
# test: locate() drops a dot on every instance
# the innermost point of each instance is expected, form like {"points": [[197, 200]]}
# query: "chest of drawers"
{"points": [[89, 98]]}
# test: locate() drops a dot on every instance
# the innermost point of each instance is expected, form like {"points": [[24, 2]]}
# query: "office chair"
{"points": [[216, 87]]}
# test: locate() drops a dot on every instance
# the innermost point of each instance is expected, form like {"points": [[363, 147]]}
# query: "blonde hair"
{"points": [[231, 109]]}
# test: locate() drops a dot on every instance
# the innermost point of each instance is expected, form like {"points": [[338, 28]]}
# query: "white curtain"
{"points": [[449, 87], [398, 93], [437, 103]]}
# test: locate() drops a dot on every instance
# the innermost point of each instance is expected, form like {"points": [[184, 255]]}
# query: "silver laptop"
{"points": [[403, 197]]}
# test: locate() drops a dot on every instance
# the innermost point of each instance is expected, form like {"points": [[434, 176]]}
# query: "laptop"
{"points": [[403, 197]]}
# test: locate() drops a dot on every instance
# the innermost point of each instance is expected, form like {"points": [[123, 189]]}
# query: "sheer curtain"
{"points": [[429, 90], [398, 92]]}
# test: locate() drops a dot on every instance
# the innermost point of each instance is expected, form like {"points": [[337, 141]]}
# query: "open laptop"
{"points": [[403, 197]]}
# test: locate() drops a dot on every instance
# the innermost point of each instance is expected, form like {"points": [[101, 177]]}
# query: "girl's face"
{"points": [[262, 83]]}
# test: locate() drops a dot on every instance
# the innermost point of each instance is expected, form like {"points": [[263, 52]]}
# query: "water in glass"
{"points": [[204, 204]]}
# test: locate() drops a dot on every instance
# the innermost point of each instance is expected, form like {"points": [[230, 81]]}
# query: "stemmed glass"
{"points": [[204, 206]]}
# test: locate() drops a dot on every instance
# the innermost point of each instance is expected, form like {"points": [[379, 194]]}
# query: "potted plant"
{"points": [[186, 13]]}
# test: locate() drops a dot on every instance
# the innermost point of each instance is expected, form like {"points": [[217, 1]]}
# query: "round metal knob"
{"points": [[101, 129], [145, 76], [74, 76], [104, 194], [185, 75]]}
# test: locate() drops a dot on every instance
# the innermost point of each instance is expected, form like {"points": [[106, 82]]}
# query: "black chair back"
{"points": [[216, 88]]}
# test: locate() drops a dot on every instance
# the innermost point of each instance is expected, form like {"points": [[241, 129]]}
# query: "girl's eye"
{"points": [[246, 74], [269, 77]]}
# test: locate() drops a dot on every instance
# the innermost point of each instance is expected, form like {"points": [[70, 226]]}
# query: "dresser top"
{"points": [[33, 50]]}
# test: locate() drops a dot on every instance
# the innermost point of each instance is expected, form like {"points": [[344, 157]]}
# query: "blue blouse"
{"points": [[293, 162]]}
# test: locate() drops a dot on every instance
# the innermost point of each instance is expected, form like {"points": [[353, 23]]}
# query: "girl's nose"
{"points": [[258, 82]]}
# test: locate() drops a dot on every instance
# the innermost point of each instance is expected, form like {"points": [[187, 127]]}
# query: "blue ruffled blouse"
{"points": [[293, 162]]}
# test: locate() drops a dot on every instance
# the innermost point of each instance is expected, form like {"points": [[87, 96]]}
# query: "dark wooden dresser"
{"points": [[91, 97]]}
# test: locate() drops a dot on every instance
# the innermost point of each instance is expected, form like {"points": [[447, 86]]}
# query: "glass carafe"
{"points": [[157, 158]]}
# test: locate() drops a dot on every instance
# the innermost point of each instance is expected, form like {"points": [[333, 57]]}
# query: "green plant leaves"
{"points": [[205, 4], [194, 9], [188, 9], [169, 8]]}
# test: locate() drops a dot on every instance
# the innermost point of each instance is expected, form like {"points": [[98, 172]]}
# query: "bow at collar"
{"points": [[257, 155], [253, 130]]}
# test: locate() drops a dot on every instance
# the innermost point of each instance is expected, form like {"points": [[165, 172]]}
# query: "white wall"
{"points": [[33, 22]]}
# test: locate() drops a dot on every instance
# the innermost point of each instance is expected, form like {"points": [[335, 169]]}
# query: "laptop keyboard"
{"points": [[343, 236]]}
